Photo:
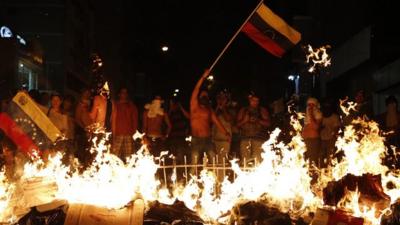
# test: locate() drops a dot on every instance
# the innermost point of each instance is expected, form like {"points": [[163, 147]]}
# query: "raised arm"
{"points": [[194, 103]]}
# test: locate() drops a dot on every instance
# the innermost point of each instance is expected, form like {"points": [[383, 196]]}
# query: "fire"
{"points": [[318, 57], [283, 179], [5, 190], [280, 164], [347, 106], [363, 148], [351, 202]]}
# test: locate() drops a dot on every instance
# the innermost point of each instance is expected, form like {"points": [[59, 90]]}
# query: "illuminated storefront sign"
{"points": [[5, 32]]}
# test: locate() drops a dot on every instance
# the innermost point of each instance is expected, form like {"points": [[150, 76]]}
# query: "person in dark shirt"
{"points": [[176, 142]]}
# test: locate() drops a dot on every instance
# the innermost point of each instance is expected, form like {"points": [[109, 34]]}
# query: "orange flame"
{"points": [[280, 180], [318, 57]]}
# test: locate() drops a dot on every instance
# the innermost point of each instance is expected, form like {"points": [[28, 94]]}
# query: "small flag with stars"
{"points": [[27, 125]]}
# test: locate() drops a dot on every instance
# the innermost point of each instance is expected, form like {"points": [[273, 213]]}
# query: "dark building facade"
{"points": [[366, 58], [79, 44], [40, 21], [21, 63]]}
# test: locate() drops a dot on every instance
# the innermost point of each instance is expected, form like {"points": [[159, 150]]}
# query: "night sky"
{"points": [[195, 33], [128, 35]]}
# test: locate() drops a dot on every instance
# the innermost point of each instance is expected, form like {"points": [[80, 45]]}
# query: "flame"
{"points": [[347, 106], [281, 180], [351, 202], [318, 57], [363, 150], [5, 195], [138, 135]]}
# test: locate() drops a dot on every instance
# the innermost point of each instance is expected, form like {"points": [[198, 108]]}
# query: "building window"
{"points": [[27, 77]]}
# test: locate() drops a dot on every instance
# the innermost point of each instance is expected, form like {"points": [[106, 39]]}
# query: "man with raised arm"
{"points": [[201, 118]]}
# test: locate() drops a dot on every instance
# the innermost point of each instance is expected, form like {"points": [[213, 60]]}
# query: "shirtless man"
{"points": [[201, 118], [99, 108], [154, 118], [82, 110], [96, 131], [83, 121]]}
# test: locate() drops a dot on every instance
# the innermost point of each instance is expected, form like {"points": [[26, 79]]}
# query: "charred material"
{"points": [[394, 217], [177, 214], [369, 186], [252, 212], [52, 217]]}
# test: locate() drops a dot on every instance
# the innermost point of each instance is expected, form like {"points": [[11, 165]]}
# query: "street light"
{"points": [[296, 79], [164, 48]]}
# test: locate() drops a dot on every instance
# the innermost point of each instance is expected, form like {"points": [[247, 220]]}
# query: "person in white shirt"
{"points": [[330, 126]]}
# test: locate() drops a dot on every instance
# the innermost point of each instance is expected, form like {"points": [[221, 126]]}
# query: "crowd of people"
{"points": [[220, 131]]}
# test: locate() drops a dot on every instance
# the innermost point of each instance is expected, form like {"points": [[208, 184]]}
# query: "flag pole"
{"points": [[234, 36]]}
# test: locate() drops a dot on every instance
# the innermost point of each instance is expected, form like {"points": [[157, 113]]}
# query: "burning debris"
{"points": [[358, 188], [252, 212], [369, 189], [175, 214], [48, 217], [392, 217]]}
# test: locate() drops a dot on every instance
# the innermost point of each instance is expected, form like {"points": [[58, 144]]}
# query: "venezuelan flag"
{"points": [[271, 32]]}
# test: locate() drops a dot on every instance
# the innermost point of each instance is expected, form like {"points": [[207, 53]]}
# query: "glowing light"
{"points": [[21, 40], [164, 48], [318, 58], [210, 78], [5, 32], [111, 183]]}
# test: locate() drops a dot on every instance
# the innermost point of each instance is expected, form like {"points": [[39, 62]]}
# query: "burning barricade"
{"points": [[357, 189]]}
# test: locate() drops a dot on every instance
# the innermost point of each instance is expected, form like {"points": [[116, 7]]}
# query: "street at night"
{"points": [[199, 112]]}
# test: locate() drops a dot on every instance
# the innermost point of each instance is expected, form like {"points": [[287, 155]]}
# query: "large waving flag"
{"points": [[271, 32], [27, 125]]}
